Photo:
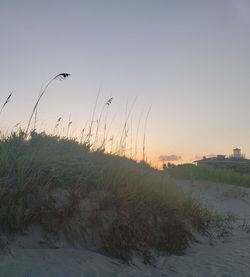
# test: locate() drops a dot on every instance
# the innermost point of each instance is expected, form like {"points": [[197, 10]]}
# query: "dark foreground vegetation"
{"points": [[109, 203], [228, 176], [78, 194]]}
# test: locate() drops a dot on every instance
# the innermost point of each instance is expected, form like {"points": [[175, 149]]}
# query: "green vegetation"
{"points": [[70, 190], [78, 193], [209, 173]]}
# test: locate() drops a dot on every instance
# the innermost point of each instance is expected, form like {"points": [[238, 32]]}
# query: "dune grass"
{"points": [[129, 207], [79, 191], [228, 176]]}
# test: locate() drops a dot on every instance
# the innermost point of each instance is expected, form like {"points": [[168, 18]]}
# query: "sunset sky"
{"points": [[189, 59]]}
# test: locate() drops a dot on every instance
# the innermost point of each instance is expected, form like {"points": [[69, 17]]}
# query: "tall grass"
{"points": [[144, 136], [106, 105], [91, 133], [88, 139], [124, 133], [136, 137], [136, 210], [209, 173], [60, 76], [71, 187], [6, 102]]}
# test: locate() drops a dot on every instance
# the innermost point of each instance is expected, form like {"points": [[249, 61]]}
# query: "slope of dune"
{"points": [[228, 255]]}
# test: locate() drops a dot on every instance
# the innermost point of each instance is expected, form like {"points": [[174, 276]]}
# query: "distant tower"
{"points": [[237, 153]]}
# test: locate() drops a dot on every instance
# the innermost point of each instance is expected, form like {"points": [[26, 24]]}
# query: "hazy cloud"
{"points": [[169, 158]]}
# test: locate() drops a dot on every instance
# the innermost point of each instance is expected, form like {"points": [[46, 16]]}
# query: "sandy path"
{"points": [[228, 257]]}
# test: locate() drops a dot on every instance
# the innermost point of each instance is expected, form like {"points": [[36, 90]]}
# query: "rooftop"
{"points": [[235, 157]]}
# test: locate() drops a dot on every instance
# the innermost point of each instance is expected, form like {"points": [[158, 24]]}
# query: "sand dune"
{"points": [[227, 256]]}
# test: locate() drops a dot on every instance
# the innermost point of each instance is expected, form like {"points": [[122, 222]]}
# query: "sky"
{"points": [[187, 60]]}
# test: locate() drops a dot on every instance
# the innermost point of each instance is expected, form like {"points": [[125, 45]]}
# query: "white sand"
{"points": [[229, 256]]}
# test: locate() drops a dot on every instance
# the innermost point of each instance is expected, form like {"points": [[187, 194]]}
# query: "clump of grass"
{"points": [[136, 211], [222, 225], [144, 222]]}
